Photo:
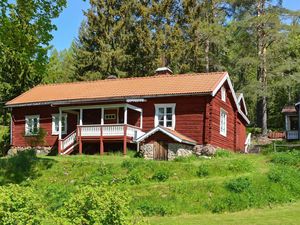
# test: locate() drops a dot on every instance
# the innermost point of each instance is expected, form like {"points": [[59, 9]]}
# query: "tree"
{"points": [[61, 66], [100, 47], [25, 33]]}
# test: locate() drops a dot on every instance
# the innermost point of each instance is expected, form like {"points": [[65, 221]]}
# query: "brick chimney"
{"points": [[163, 71]]}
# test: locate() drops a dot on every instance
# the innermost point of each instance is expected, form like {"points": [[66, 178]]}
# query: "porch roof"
{"points": [[118, 89], [175, 135]]}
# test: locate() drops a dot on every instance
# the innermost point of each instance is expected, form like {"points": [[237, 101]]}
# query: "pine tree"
{"points": [[100, 48]]}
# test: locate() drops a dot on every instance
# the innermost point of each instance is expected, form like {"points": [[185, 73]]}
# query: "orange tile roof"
{"points": [[179, 135], [195, 83]]}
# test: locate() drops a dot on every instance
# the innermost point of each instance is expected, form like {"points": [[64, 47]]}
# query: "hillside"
{"points": [[64, 188]]}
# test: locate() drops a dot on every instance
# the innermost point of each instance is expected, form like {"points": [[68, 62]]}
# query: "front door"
{"points": [[160, 150]]}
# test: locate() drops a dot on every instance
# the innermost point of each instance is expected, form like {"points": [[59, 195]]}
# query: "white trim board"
{"points": [[215, 91]]}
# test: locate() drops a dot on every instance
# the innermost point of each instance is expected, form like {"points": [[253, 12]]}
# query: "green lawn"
{"points": [[288, 214], [185, 191]]}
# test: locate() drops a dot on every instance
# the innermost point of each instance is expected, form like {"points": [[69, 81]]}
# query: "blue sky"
{"points": [[69, 21]]}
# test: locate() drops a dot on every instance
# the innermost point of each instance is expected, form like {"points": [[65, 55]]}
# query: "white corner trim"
{"points": [[221, 83], [156, 129], [241, 98]]}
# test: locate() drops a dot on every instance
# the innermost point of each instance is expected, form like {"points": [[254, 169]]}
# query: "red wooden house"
{"points": [[164, 114]]}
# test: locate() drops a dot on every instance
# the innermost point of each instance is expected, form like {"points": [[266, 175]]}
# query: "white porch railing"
{"points": [[109, 130], [292, 135], [68, 141]]}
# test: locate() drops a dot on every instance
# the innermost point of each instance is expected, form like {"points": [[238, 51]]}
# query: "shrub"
{"points": [[4, 140], [202, 171], [20, 205], [36, 140], [152, 209], [239, 165], [161, 175], [287, 158], [238, 185], [134, 178], [103, 205], [128, 164]]}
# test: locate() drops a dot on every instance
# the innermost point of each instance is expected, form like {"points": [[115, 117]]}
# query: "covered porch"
{"points": [[99, 123]]}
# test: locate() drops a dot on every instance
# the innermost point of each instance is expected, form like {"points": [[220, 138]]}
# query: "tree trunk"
{"points": [[262, 71], [207, 49]]}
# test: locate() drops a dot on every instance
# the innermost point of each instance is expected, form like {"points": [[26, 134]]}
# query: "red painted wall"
{"points": [[45, 112], [197, 117]]}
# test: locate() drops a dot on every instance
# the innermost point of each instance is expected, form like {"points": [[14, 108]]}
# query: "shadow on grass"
{"points": [[21, 167]]}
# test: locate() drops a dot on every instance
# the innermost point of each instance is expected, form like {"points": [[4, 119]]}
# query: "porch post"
{"points": [[80, 141], [59, 132], [102, 116], [125, 140], [141, 120], [125, 115], [101, 142], [80, 116]]}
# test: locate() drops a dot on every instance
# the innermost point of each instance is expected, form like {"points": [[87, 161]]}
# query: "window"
{"points": [[55, 124], [165, 115], [32, 125], [223, 123], [110, 116], [223, 94]]}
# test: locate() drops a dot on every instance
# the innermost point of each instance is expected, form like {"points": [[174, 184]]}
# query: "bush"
{"points": [[287, 158], [90, 205], [239, 165], [134, 178], [238, 185], [4, 140], [151, 209], [36, 140], [161, 175], [20, 205], [202, 171]]}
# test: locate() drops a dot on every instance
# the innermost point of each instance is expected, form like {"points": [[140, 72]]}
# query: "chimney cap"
{"points": [[163, 70]]}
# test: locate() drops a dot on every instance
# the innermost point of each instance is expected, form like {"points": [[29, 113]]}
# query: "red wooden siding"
{"points": [[197, 117], [45, 112], [236, 133], [189, 112]]}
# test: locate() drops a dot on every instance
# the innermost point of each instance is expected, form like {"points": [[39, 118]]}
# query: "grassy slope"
{"points": [[288, 214], [183, 193]]}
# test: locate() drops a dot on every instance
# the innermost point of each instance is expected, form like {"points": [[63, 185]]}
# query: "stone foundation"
{"points": [[174, 150], [147, 151], [39, 150]]}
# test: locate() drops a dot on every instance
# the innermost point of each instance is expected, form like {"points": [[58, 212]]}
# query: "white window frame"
{"points": [[223, 94], [30, 117], [223, 122], [165, 106], [110, 116], [54, 132]]}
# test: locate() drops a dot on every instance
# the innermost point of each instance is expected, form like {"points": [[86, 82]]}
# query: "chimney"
{"points": [[163, 71]]}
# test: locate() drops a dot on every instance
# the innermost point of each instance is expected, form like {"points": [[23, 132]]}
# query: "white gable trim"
{"points": [[241, 98], [221, 83], [158, 128]]}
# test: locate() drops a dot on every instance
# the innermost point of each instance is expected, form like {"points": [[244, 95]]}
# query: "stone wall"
{"points": [[174, 150], [39, 150]]}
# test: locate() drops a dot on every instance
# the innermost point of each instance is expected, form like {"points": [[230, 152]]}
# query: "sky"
{"points": [[70, 19]]}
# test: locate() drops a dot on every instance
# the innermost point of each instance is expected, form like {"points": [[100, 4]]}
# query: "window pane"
{"points": [[160, 117], [169, 110], [161, 122], [169, 117], [169, 123], [161, 110]]}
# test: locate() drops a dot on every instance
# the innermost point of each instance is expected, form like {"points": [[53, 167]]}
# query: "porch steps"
{"points": [[69, 150]]}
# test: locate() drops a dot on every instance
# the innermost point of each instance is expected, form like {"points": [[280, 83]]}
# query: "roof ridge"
{"points": [[130, 78]]}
